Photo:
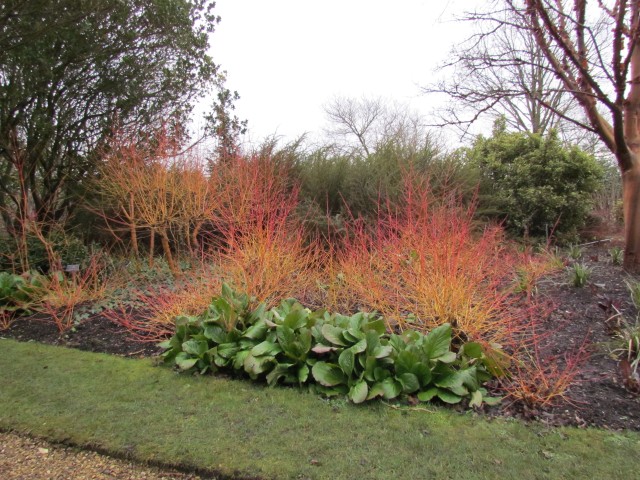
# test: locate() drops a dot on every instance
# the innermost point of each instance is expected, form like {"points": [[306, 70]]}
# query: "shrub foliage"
{"points": [[533, 183]]}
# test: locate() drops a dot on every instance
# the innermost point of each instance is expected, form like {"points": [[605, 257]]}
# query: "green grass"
{"points": [[238, 429]]}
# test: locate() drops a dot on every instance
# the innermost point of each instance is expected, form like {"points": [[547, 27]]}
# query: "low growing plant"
{"points": [[634, 291], [332, 354], [150, 315], [61, 295], [616, 254], [575, 252], [531, 268], [17, 295], [625, 347], [579, 274]]}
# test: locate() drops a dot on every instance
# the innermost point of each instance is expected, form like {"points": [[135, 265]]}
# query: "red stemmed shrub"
{"points": [[424, 263]]}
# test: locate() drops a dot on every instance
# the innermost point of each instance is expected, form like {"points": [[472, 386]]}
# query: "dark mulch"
{"points": [[95, 334], [598, 398]]}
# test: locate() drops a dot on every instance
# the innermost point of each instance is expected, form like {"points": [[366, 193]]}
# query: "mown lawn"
{"points": [[236, 429]]}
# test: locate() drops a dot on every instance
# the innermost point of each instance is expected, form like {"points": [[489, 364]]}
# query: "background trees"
{"points": [[592, 49], [588, 51], [73, 70], [502, 73]]}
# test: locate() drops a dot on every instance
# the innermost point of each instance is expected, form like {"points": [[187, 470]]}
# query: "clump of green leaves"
{"points": [[625, 347], [331, 354], [575, 252], [579, 274], [17, 292], [634, 291], [616, 254]]}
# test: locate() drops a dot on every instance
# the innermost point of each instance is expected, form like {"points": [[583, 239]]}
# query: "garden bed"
{"points": [[598, 397]]}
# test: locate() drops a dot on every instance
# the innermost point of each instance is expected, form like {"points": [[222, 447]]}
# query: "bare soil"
{"points": [[597, 398]]}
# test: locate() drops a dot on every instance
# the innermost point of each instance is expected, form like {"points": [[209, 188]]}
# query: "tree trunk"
{"points": [[195, 243], [152, 245], [166, 248], [631, 202], [132, 227]]}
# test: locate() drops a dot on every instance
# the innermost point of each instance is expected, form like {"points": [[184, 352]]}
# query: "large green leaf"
{"points": [[373, 342], [257, 331], [359, 347], [258, 314], [391, 388], [266, 348], [352, 335], [328, 375], [333, 335], [296, 318], [476, 399], [184, 361], [254, 366], [295, 345], [377, 326], [472, 350], [358, 393], [496, 361], [240, 357], [221, 309], [303, 373], [323, 349], [376, 390], [346, 360], [423, 373], [466, 377], [195, 347], [303, 343], [286, 336], [438, 342], [215, 332], [448, 357], [228, 350], [382, 351], [279, 371], [448, 397], [405, 362], [380, 373], [409, 382], [428, 395]]}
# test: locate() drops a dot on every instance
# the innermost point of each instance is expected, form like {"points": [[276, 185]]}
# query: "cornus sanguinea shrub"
{"points": [[425, 263], [263, 248]]}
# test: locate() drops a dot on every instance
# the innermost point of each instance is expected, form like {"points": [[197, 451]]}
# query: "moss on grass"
{"points": [[238, 429]]}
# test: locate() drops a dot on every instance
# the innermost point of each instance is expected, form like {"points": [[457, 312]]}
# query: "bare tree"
{"points": [[593, 49], [502, 72], [355, 118], [364, 125]]}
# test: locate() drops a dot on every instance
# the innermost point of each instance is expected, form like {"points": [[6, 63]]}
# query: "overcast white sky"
{"points": [[286, 58]]}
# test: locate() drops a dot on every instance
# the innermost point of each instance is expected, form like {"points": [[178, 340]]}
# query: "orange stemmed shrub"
{"points": [[263, 249], [424, 263]]}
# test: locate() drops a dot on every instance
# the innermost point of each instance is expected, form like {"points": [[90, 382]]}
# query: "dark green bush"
{"points": [[68, 248], [534, 183], [331, 354]]}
